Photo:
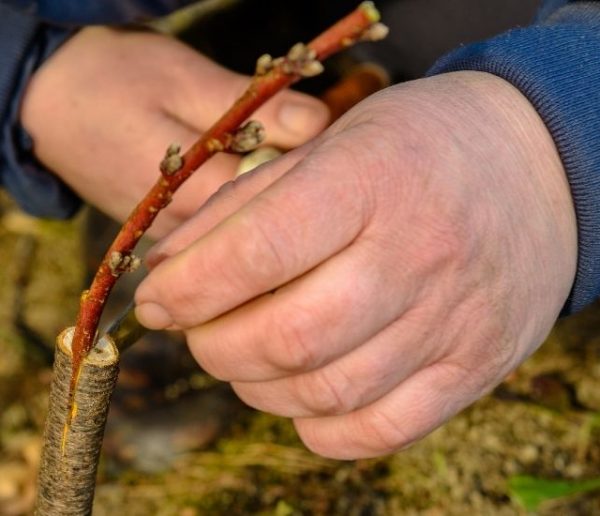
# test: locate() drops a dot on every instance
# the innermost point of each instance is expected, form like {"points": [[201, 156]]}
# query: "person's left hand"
{"points": [[376, 281], [105, 106]]}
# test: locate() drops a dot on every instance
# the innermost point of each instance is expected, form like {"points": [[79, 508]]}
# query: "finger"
{"points": [[290, 118], [354, 380], [307, 323], [419, 405], [300, 220], [231, 196]]}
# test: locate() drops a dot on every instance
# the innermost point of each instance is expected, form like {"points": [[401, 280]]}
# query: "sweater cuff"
{"points": [[556, 65], [26, 44]]}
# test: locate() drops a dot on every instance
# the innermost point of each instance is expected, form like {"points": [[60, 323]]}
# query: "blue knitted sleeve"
{"points": [[80, 12], [555, 63], [30, 31], [25, 43]]}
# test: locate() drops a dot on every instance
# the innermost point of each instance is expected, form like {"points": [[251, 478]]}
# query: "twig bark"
{"points": [[67, 476]]}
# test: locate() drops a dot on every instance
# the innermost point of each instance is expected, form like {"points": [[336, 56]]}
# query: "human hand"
{"points": [[376, 281], [103, 109]]}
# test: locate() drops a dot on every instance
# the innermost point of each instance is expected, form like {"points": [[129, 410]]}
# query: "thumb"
{"points": [[291, 118]]}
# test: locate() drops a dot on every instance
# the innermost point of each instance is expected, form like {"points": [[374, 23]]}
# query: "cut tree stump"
{"points": [[67, 476]]}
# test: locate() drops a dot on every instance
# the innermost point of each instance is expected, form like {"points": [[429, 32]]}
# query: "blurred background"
{"points": [[179, 443]]}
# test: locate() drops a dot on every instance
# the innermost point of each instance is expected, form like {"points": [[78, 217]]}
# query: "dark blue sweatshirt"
{"points": [[555, 63]]}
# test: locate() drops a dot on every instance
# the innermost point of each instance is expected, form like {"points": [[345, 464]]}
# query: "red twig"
{"points": [[271, 77]]}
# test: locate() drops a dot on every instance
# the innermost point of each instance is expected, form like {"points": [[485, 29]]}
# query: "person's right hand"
{"points": [[376, 281], [103, 109]]}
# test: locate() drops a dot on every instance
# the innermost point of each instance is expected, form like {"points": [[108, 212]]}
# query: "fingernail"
{"points": [[153, 316], [302, 118]]}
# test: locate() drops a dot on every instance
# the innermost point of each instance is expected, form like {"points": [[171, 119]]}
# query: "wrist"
{"points": [[555, 66], [538, 188]]}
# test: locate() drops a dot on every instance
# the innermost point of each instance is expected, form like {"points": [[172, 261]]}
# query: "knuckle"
{"points": [[492, 349], [381, 433], [439, 244], [357, 200], [293, 345], [263, 249], [446, 242], [327, 395]]}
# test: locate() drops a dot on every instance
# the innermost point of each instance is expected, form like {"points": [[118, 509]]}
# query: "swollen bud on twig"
{"points": [[172, 161], [371, 11], [375, 32], [300, 52], [264, 64], [311, 68], [248, 137], [300, 60], [119, 263]]}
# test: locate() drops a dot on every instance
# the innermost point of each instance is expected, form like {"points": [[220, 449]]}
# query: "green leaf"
{"points": [[531, 492]]}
